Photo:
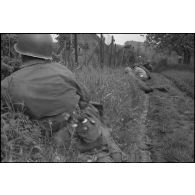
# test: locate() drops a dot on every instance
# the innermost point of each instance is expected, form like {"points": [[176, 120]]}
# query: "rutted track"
{"points": [[143, 139], [137, 144], [170, 122]]}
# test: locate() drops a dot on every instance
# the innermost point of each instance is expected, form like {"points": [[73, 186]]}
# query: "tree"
{"points": [[115, 51], [111, 47], [182, 44], [75, 48], [64, 43], [85, 48], [101, 51]]}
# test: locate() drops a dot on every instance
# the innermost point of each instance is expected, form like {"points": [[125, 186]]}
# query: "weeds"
{"points": [[22, 139], [171, 121], [184, 80]]}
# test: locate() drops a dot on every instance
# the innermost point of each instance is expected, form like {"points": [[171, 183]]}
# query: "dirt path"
{"points": [[161, 125], [143, 139], [170, 123]]}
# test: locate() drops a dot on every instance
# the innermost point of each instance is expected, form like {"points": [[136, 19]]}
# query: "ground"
{"points": [[164, 127], [158, 127], [170, 120]]}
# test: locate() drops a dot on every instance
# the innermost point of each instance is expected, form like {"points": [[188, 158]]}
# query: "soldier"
{"points": [[51, 93], [143, 71], [138, 76]]}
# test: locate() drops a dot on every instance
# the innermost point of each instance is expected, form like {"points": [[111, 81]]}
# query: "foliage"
{"points": [[7, 43], [184, 80], [22, 140], [85, 46], [183, 44], [10, 60], [171, 118], [176, 42], [21, 137]]}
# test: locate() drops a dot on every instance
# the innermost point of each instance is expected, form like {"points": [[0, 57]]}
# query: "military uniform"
{"points": [[47, 89], [142, 72]]}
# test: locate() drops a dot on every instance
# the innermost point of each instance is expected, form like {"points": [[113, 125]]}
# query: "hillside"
{"points": [[158, 127]]}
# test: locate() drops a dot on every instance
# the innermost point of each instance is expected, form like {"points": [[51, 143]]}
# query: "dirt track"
{"points": [[162, 125], [133, 135], [170, 123]]}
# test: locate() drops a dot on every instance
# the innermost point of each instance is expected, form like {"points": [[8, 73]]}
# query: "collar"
{"points": [[33, 62]]}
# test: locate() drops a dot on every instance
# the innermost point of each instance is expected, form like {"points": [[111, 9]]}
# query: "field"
{"points": [[21, 138], [171, 118], [164, 133], [183, 80]]}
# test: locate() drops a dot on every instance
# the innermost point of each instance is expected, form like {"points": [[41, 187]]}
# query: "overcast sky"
{"points": [[122, 38]]}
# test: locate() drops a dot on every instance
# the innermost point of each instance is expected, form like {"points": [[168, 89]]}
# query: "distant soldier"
{"points": [[139, 76], [143, 71]]}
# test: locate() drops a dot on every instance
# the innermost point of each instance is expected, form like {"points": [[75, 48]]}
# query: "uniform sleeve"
{"points": [[83, 92]]}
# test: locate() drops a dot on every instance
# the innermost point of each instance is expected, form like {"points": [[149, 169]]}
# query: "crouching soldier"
{"points": [[51, 94]]}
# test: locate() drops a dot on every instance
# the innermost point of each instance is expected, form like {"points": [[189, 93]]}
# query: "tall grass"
{"points": [[22, 139], [171, 118], [184, 80], [110, 87]]}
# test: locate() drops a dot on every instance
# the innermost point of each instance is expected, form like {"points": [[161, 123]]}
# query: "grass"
{"points": [[22, 139], [171, 119], [109, 87], [184, 80]]}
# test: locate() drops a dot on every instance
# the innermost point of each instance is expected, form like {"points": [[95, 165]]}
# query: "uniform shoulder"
{"points": [[5, 82], [61, 69]]}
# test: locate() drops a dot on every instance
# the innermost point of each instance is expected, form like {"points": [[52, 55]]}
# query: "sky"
{"points": [[121, 38]]}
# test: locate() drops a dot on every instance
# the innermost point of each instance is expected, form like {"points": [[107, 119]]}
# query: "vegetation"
{"points": [[10, 60], [182, 44], [22, 140], [171, 118], [170, 115], [183, 80]]}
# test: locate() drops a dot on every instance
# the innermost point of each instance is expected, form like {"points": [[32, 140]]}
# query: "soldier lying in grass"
{"points": [[51, 94], [143, 71], [141, 74]]}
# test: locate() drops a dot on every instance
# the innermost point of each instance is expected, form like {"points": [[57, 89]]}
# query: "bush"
{"points": [[184, 80]]}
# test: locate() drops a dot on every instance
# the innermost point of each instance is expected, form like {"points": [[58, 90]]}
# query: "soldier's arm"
{"points": [[84, 95], [81, 91]]}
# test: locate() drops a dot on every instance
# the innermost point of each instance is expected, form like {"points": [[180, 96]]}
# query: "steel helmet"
{"points": [[35, 45]]}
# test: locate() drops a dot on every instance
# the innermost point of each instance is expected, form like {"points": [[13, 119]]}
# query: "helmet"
{"points": [[35, 45]]}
